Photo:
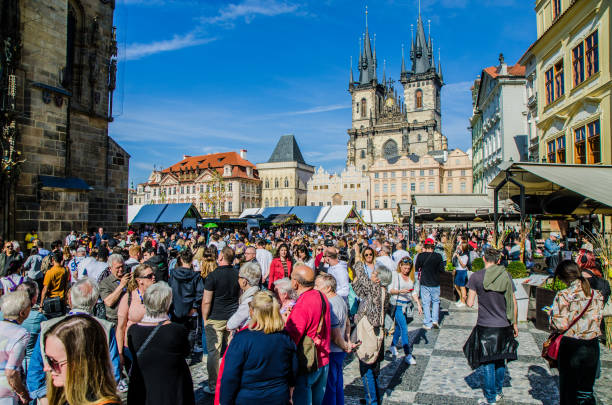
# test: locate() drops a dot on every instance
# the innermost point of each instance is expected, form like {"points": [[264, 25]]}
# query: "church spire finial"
{"points": [[351, 79], [384, 79], [403, 62], [366, 15]]}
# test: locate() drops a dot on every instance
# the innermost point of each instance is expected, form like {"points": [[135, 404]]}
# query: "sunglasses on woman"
{"points": [[368, 255], [148, 276], [54, 364], [406, 260]]}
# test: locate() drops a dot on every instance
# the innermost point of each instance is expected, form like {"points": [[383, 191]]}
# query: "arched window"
{"points": [[267, 183], [419, 98], [363, 154], [267, 203], [286, 202], [276, 202], [363, 107], [286, 182], [275, 183]]}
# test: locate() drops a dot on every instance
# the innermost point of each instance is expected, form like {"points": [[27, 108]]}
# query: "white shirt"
{"points": [[264, 258], [398, 255], [387, 262], [340, 273]]}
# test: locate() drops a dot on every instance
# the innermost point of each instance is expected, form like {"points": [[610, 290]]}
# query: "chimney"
{"points": [[243, 153], [503, 68]]}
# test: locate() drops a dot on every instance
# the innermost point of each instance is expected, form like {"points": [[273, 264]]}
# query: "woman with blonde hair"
{"points": [[404, 294], [261, 361], [78, 364], [209, 261]]}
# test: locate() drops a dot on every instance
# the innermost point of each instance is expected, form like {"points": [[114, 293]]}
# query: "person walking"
{"points": [[77, 363], [577, 314], [492, 341], [261, 361], [429, 266], [221, 295], [16, 308], [461, 259], [404, 293], [340, 339], [55, 287], [160, 375], [310, 317]]}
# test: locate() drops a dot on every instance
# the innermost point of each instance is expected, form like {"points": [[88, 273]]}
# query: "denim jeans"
{"points": [[431, 304], [310, 388], [494, 374], [334, 391], [401, 330], [369, 376]]}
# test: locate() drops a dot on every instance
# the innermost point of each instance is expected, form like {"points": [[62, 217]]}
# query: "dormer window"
{"points": [[249, 171], [227, 170]]}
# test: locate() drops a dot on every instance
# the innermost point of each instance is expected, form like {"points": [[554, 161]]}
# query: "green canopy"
{"points": [[211, 225]]}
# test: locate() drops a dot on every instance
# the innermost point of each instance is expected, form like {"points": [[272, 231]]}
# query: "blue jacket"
{"points": [[550, 248], [257, 366], [36, 376]]}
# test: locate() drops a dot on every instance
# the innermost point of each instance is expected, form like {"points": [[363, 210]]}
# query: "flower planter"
{"points": [[447, 287], [522, 298], [544, 298]]}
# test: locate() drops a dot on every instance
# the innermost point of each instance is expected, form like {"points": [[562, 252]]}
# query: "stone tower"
{"points": [[68, 174], [383, 124]]}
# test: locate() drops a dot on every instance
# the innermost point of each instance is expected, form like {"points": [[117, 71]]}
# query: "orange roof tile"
{"points": [[516, 70], [214, 161]]}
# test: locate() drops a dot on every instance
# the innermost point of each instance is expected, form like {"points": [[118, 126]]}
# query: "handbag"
{"points": [[53, 306], [371, 338], [550, 348], [307, 348]]}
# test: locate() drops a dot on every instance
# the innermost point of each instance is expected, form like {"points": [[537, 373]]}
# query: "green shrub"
{"points": [[558, 286], [478, 264], [449, 266], [517, 270]]}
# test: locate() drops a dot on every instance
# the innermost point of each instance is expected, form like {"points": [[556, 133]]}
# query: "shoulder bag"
{"points": [[307, 348], [370, 338], [146, 343], [550, 348]]}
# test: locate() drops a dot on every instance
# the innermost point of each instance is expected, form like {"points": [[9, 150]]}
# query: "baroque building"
{"points": [[572, 68], [499, 124], [61, 170], [386, 123], [217, 184], [285, 175], [350, 187]]}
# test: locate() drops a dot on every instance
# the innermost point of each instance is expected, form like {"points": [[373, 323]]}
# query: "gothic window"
{"points": [[267, 203], [275, 183], [276, 202], [362, 154], [286, 202], [363, 107], [419, 99], [286, 182], [267, 183]]}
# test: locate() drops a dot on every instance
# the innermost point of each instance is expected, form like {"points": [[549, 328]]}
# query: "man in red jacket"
{"points": [[304, 320]]}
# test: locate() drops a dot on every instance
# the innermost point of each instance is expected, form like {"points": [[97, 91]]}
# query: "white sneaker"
{"points": [[410, 360], [484, 401], [426, 327], [460, 304], [436, 325], [499, 397], [393, 351]]}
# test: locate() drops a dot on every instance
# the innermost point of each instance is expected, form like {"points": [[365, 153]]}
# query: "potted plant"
{"points": [[478, 264], [518, 272], [545, 295], [447, 282]]}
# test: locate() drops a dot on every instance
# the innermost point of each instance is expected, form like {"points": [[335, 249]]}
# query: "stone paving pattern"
{"points": [[442, 375]]}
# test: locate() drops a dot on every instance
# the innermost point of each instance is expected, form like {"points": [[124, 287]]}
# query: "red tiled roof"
{"points": [[516, 70], [214, 161]]}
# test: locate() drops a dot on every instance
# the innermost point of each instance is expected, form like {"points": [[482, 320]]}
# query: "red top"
{"points": [[304, 319], [277, 271]]}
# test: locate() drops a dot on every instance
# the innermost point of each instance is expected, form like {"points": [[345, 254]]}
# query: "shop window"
{"points": [[578, 64], [593, 142], [592, 54]]}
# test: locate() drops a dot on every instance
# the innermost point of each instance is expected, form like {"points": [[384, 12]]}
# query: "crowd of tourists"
{"points": [[277, 312]]}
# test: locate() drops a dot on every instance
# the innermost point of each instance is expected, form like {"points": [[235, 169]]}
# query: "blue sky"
{"points": [[204, 76]]}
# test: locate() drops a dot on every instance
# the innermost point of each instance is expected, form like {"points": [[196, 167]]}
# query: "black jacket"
{"points": [[160, 268], [187, 291]]}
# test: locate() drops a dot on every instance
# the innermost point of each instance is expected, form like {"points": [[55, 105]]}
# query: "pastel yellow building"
{"points": [[572, 54]]}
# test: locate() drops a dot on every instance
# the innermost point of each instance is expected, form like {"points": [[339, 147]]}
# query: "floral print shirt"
{"points": [[569, 304]]}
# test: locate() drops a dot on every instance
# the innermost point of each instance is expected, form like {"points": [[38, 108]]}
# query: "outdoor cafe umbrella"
{"points": [[211, 225]]}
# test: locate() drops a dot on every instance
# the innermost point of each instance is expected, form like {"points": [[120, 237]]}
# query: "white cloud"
{"points": [[313, 110], [138, 50], [248, 10]]}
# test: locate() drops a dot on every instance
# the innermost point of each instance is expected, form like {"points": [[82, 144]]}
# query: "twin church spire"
{"points": [[421, 56]]}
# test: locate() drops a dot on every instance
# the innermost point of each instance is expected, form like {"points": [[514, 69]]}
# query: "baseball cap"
{"points": [[429, 241], [329, 242]]}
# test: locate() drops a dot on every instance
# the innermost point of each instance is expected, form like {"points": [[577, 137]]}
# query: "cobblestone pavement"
{"points": [[442, 375]]}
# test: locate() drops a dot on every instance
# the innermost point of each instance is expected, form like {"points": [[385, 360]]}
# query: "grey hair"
{"points": [[30, 287], [84, 294], [329, 281], [251, 272], [14, 303], [115, 258], [250, 247], [157, 299], [384, 275], [284, 285]]}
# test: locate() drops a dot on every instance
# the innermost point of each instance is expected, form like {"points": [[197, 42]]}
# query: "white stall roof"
{"points": [[132, 212], [340, 214], [377, 216], [251, 211]]}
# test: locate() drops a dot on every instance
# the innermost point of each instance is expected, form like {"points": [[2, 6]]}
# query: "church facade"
{"points": [[394, 119]]}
